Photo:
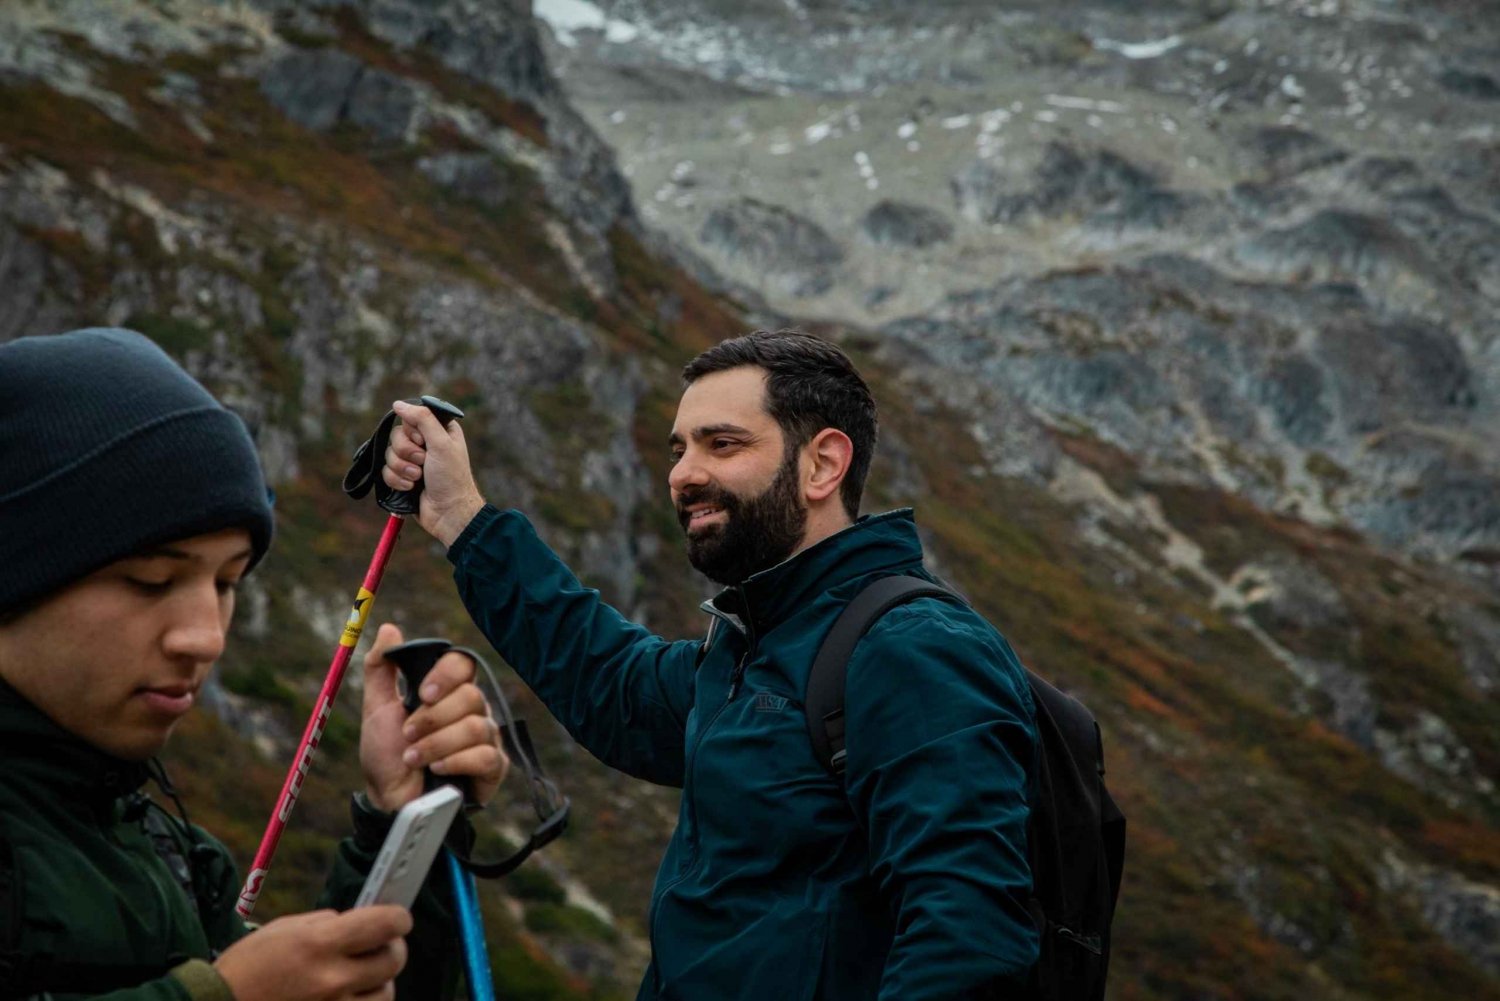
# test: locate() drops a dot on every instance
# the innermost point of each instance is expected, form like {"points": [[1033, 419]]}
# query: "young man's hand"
{"points": [[421, 448], [452, 733], [320, 956]]}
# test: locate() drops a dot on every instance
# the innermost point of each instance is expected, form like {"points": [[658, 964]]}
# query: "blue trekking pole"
{"points": [[414, 659], [471, 930]]}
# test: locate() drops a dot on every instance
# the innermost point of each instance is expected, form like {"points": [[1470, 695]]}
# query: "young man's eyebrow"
{"points": [[706, 431], [167, 552]]}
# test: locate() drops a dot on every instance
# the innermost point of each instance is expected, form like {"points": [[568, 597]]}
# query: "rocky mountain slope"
{"points": [[1181, 319]]}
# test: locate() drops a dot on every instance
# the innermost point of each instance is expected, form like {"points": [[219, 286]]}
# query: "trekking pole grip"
{"points": [[369, 459], [408, 501], [414, 659]]}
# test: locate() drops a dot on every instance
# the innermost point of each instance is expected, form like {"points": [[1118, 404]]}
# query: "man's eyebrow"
{"points": [[168, 552], [706, 431]]}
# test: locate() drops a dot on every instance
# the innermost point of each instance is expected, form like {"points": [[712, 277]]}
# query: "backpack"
{"points": [[1075, 834]]}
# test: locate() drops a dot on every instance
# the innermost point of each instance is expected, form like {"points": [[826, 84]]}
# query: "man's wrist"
{"points": [[453, 522]]}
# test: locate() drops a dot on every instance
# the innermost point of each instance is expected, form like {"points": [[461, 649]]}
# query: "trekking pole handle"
{"points": [[404, 502], [414, 659], [364, 472]]}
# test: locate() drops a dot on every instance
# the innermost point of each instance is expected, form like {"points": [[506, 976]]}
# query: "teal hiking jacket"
{"points": [[87, 901], [907, 881]]}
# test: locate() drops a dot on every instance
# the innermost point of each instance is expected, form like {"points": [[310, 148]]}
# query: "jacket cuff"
{"points": [[201, 981], [476, 524], [370, 824]]}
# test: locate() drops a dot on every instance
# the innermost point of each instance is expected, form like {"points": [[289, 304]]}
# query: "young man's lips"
{"points": [[170, 700]]}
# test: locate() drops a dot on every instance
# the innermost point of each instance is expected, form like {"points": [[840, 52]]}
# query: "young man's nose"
{"points": [[197, 629]]}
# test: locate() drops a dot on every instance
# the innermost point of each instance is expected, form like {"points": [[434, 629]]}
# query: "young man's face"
{"points": [[738, 494], [117, 658]]}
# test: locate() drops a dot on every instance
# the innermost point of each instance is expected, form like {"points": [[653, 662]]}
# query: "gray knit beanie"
{"points": [[107, 448]]}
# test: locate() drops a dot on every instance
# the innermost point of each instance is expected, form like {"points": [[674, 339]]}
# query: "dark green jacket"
{"points": [[90, 906], [907, 881]]}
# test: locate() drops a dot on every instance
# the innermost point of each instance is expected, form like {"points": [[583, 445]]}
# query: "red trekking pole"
{"points": [[363, 474]]}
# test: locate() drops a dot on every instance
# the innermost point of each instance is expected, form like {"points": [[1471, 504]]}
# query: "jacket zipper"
{"points": [[687, 772]]}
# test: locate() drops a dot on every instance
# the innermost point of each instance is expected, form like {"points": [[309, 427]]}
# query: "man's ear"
{"points": [[829, 454]]}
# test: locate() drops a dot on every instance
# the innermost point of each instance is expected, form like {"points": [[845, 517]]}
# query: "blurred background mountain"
{"points": [[1182, 316]]}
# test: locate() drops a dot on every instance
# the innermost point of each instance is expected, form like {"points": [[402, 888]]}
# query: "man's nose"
{"points": [[686, 472], [198, 626]]}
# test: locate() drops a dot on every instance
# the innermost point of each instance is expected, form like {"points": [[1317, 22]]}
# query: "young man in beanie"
{"points": [[131, 506], [906, 876]]}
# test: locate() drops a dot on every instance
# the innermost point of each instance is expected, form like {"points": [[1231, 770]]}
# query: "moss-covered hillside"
{"points": [[320, 208]]}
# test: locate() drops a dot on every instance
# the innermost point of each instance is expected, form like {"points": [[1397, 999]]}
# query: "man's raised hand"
{"points": [[421, 448]]}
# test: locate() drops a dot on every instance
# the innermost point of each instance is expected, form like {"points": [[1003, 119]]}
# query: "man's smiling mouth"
{"points": [[701, 514]]}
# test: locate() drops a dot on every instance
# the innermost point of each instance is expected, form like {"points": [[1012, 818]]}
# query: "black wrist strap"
{"points": [[369, 458]]}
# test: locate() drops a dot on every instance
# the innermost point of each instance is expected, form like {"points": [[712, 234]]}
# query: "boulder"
{"points": [[1065, 182], [1465, 83], [1293, 390], [387, 105], [902, 224], [324, 87], [311, 86], [1280, 151], [1339, 245], [777, 244], [474, 176]]}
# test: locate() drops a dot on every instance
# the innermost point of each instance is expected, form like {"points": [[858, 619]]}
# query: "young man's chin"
{"points": [[137, 743]]}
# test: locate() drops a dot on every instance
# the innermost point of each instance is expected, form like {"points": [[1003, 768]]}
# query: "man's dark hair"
{"points": [[810, 385]]}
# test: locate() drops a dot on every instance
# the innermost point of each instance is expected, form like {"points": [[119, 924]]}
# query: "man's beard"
{"points": [[756, 534]]}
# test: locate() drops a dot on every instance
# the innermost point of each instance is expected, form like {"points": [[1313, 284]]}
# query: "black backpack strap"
{"points": [[824, 701]]}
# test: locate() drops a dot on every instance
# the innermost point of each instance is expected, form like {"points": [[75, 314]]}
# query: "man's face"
{"points": [[117, 658], [738, 494]]}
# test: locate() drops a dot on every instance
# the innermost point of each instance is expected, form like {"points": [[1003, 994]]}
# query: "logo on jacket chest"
{"points": [[765, 702]]}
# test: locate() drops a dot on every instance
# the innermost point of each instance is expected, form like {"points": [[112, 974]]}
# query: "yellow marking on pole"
{"points": [[357, 617]]}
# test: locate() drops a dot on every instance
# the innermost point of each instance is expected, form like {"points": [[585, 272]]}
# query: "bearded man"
{"points": [[906, 877]]}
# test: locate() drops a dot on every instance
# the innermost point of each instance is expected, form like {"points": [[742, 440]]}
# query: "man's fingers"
{"points": [[422, 425], [486, 762], [380, 674], [374, 970], [403, 459], [387, 636], [466, 700], [403, 447], [470, 732], [366, 929], [452, 671]]}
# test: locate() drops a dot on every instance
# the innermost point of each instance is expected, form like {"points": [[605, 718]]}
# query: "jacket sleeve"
{"points": [[941, 739], [194, 980], [621, 691]]}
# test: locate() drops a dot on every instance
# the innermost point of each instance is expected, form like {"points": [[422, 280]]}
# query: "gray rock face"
{"points": [[1172, 352], [1478, 86], [474, 176], [494, 42], [324, 87], [1465, 913], [312, 86], [1337, 245], [781, 247], [1283, 151], [1066, 181], [902, 224]]}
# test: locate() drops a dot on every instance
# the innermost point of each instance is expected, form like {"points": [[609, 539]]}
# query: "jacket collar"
{"points": [[875, 543], [40, 751]]}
